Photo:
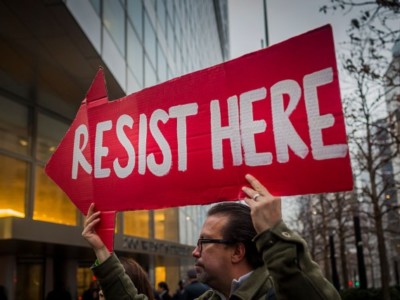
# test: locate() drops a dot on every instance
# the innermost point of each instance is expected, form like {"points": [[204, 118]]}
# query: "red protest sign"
{"points": [[275, 113]]}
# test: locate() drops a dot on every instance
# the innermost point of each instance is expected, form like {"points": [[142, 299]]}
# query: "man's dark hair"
{"points": [[239, 228]]}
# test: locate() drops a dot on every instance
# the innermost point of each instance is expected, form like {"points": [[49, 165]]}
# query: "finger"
{"points": [[92, 217], [257, 185], [91, 209], [89, 227], [250, 192], [249, 202], [254, 183]]}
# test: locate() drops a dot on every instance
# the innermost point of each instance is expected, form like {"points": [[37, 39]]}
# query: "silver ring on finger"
{"points": [[256, 196]]}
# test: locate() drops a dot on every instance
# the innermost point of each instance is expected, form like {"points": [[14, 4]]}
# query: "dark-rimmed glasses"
{"points": [[200, 242]]}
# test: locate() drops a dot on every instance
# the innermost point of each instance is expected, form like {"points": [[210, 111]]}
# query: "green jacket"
{"points": [[288, 269]]}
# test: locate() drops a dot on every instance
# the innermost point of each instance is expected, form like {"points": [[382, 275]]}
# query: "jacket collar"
{"points": [[255, 286]]}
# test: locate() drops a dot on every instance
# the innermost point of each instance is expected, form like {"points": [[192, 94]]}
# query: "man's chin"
{"points": [[199, 269], [202, 279]]}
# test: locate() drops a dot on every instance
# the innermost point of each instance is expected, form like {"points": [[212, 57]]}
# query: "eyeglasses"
{"points": [[200, 242]]}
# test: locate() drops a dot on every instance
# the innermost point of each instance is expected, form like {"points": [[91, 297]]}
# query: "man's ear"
{"points": [[239, 253]]}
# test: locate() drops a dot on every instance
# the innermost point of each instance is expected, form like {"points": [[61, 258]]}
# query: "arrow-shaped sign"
{"points": [[275, 113]]}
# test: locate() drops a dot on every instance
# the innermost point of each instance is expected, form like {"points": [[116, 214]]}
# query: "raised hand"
{"points": [[265, 209], [91, 236]]}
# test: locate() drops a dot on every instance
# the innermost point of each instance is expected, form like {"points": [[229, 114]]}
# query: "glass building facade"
{"points": [[50, 52]]}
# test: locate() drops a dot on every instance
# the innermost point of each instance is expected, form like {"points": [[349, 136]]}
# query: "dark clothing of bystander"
{"points": [[193, 290], [3, 295], [165, 296], [59, 294]]}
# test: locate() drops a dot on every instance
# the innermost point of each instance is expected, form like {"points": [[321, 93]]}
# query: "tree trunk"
{"points": [[343, 260], [342, 240], [360, 253], [385, 277], [325, 234]]}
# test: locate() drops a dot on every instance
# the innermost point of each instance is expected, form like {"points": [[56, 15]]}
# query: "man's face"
{"points": [[213, 260]]}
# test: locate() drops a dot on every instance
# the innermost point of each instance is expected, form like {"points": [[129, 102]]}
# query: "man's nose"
{"points": [[196, 252]]}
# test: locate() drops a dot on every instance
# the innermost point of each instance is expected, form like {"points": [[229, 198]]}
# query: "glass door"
{"points": [[29, 281]]}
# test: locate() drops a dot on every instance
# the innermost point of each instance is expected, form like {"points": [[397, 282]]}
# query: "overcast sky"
{"points": [[286, 19]]}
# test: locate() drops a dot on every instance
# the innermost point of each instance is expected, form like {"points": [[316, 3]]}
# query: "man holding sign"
{"points": [[244, 252]]}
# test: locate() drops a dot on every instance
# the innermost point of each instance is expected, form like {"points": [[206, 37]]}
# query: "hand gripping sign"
{"points": [[275, 113]]}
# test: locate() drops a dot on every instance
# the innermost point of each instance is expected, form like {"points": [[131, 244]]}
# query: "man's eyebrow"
{"points": [[209, 237], [204, 236]]}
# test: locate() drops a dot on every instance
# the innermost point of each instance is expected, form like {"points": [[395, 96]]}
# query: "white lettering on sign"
{"points": [[242, 134], [250, 127], [318, 122], [239, 130], [162, 168], [125, 166], [142, 143], [100, 151], [231, 132], [180, 112], [120, 171], [77, 154], [284, 132]]}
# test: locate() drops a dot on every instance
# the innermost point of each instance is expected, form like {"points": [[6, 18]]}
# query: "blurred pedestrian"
{"points": [[179, 291], [163, 291], [194, 288], [59, 293], [137, 275], [92, 293]]}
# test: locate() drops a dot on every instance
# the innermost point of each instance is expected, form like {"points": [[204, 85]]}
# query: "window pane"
{"points": [[51, 204], [137, 223], [48, 140], [135, 13], [162, 14], [166, 224], [167, 269], [132, 83], [161, 65], [114, 21], [14, 126], [149, 40], [96, 5], [171, 39], [29, 281], [190, 223], [170, 8], [135, 55], [12, 187], [150, 78]]}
